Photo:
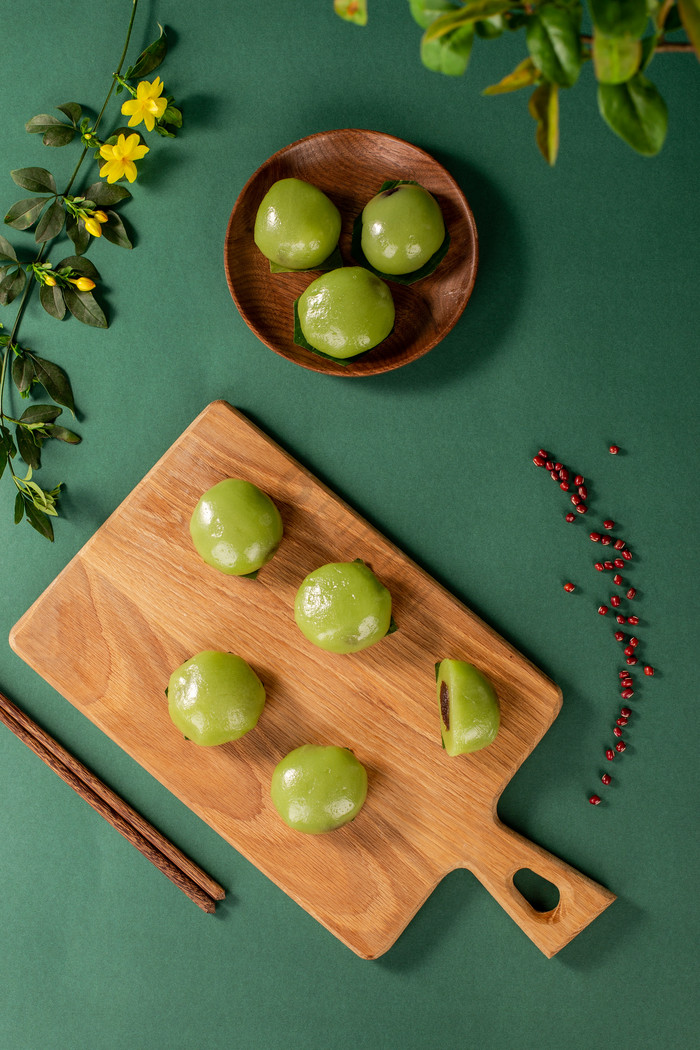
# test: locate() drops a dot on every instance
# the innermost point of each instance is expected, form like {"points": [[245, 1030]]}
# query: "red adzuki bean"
{"points": [[627, 694], [622, 721], [614, 449], [617, 579], [609, 754], [626, 712], [570, 517], [594, 800], [627, 555], [606, 541], [648, 670], [608, 523], [633, 620], [569, 587], [582, 508], [631, 593], [582, 491], [608, 565], [619, 636], [617, 731], [631, 659], [539, 461], [599, 566], [564, 474], [619, 544], [618, 563], [564, 486], [595, 536], [606, 778], [603, 609], [621, 619], [634, 642], [620, 746], [614, 601]]}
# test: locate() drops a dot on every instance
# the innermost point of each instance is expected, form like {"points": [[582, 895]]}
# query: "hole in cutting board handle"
{"points": [[539, 893]]}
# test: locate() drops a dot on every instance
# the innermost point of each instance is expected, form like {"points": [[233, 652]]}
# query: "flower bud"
{"points": [[92, 226], [101, 216], [51, 281], [83, 284]]}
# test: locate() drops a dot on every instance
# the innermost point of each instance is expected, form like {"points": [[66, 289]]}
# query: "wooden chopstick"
{"points": [[182, 871]]}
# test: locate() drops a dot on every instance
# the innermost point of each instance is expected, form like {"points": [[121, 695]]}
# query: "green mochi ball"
{"points": [[214, 698], [346, 312], [317, 788], [342, 607], [402, 228], [236, 527], [296, 225]]}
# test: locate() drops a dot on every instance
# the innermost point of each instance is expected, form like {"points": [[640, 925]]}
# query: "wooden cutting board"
{"points": [[137, 601]]}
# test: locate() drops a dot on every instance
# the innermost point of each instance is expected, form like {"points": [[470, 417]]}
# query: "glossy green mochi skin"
{"points": [[469, 712], [316, 789], [342, 607], [215, 697], [236, 527], [346, 311], [402, 228], [296, 225]]}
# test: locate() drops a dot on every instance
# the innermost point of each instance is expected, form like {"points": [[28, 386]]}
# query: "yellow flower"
{"points": [[101, 216], [83, 284], [148, 106], [51, 281], [120, 158], [92, 226]]}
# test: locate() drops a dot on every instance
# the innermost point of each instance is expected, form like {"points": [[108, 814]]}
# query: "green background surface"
{"points": [[582, 330]]}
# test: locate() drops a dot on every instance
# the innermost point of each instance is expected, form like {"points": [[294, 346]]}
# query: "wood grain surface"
{"points": [[350, 166], [137, 601]]}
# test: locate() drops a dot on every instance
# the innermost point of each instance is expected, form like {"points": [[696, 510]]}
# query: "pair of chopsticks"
{"points": [[186, 875]]}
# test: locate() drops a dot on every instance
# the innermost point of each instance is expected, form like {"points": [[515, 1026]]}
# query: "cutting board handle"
{"points": [[580, 899]]}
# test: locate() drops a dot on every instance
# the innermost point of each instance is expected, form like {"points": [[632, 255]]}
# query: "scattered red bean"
{"points": [[564, 486], [631, 593], [626, 682], [649, 670], [614, 601], [631, 659], [608, 523], [634, 642], [614, 449], [606, 778], [603, 609], [617, 579], [606, 540], [620, 746], [549, 464], [558, 466], [629, 650], [570, 517], [619, 544], [621, 619], [627, 555], [627, 694], [618, 563], [609, 754], [599, 566], [582, 508], [622, 721], [543, 452], [579, 479], [622, 674], [595, 536], [594, 800], [582, 491], [608, 564], [569, 587], [539, 461], [633, 620], [554, 475], [617, 731], [564, 474], [575, 499], [619, 635], [626, 712]]}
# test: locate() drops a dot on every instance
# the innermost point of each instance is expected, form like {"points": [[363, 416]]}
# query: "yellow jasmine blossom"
{"points": [[120, 158], [51, 281], [148, 106], [83, 284], [101, 216]]}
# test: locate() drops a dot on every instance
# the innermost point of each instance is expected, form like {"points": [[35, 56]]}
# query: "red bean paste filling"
{"points": [[445, 704]]}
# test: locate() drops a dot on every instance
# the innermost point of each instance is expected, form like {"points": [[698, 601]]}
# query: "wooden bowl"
{"points": [[350, 167]]}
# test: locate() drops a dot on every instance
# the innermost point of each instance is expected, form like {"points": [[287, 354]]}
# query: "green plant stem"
{"points": [[30, 283]]}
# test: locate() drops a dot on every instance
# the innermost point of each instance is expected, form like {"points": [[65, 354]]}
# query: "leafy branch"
{"points": [[627, 34], [66, 287]]}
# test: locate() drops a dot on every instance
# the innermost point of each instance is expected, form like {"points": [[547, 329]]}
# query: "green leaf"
{"points": [[77, 233], [425, 12], [38, 520], [352, 11], [19, 508], [619, 18], [151, 57], [104, 195], [72, 110], [51, 223], [689, 11], [490, 28], [52, 301], [23, 373], [115, 232], [636, 112], [172, 115], [449, 54], [24, 213], [554, 44], [615, 59], [11, 286], [472, 11], [53, 379], [6, 250], [524, 75], [28, 447], [37, 180], [544, 109], [62, 434], [84, 307], [55, 132], [81, 265], [40, 414]]}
